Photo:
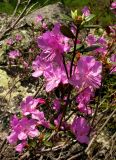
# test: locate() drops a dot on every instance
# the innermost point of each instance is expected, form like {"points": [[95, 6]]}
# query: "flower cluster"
{"points": [[26, 127], [71, 78], [14, 54], [92, 40]]}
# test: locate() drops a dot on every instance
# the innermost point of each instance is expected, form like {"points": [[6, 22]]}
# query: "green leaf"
{"points": [[46, 136], [78, 47], [66, 31], [92, 26], [88, 18], [33, 144], [74, 14], [91, 48], [48, 144]]}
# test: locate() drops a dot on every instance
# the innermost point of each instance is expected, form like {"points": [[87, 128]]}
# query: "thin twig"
{"points": [[98, 132], [16, 21]]}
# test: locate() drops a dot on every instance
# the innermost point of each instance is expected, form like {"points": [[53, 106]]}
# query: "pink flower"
{"points": [[103, 46], [80, 129], [38, 18], [39, 66], [18, 37], [56, 104], [113, 5], [83, 107], [85, 95], [9, 41], [92, 40], [53, 44], [29, 107], [57, 122], [54, 76], [20, 146], [30, 104], [86, 11], [22, 129], [87, 73], [14, 54], [113, 60], [83, 99]]}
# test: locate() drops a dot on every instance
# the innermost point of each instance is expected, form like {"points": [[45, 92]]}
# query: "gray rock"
{"points": [[53, 12]]}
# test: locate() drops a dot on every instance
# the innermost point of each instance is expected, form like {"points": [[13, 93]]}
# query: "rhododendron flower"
{"points": [[113, 60], [9, 41], [85, 95], [83, 99], [86, 11], [39, 66], [21, 130], [38, 18], [29, 105], [14, 54], [92, 40], [87, 73], [83, 107], [103, 46], [54, 76], [20, 147], [56, 104], [57, 122], [113, 7], [53, 44], [18, 37], [80, 129]]}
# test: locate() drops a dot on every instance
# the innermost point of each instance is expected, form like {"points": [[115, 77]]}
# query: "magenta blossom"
{"points": [[56, 104], [83, 100], [87, 73], [113, 7], [113, 61], [63, 124], [53, 44], [14, 54], [85, 95], [29, 107], [55, 75], [20, 146], [21, 130], [93, 40], [30, 104], [18, 37], [86, 11], [39, 66], [80, 129], [38, 18], [84, 108], [9, 41]]}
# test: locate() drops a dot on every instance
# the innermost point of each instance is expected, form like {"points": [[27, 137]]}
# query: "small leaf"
{"points": [[74, 14], [67, 32], [48, 144], [78, 47], [92, 26], [91, 48], [88, 18]]}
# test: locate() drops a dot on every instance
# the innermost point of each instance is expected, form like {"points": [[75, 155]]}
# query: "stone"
{"points": [[53, 12]]}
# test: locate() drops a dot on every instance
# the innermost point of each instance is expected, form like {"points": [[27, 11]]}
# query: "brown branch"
{"points": [[98, 132], [16, 21]]}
